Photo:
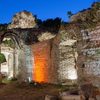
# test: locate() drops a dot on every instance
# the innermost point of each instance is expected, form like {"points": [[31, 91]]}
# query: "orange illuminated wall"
{"points": [[40, 75], [41, 54]]}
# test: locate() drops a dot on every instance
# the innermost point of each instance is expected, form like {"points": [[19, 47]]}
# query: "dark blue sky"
{"points": [[42, 8]]}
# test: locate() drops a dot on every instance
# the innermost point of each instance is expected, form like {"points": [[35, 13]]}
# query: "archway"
{"points": [[9, 46]]}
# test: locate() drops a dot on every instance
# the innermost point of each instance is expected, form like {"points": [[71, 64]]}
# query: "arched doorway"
{"points": [[9, 47]]}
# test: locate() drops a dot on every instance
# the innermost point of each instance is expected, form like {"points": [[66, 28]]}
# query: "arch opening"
{"points": [[9, 47]]}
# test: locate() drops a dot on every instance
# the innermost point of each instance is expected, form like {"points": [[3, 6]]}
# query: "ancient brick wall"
{"points": [[89, 56], [44, 68], [67, 54]]}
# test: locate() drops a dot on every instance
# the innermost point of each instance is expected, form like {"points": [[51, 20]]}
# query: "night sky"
{"points": [[42, 8]]}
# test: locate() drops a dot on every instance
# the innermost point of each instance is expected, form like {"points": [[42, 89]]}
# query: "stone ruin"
{"points": [[44, 58], [23, 20], [72, 55]]}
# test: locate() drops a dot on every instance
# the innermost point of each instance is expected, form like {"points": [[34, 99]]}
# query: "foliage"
{"points": [[96, 5], [85, 19], [3, 27], [39, 22], [90, 17], [8, 43], [13, 79], [50, 24], [69, 13], [2, 58]]}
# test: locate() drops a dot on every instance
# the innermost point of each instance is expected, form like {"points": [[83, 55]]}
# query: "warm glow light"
{"points": [[39, 70], [40, 66]]}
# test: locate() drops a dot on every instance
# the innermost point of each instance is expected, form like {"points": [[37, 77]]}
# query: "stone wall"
{"points": [[67, 56], [50, 61], [91, 14], [89, 57], [7, 67], [67, 63], [26, 61], [22, 20], [10, 67], [45, 68]]}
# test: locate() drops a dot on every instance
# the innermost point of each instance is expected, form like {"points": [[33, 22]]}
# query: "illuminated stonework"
{"points": [[41, 62], [7, 68], [23, 20]]}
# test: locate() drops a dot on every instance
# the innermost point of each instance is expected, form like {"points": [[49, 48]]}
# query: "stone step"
{"points": [[71, 97]]}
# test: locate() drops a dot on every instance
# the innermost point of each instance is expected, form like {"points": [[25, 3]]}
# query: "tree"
{"points": [[69, 13], [52, 25], [9, 43], [2, 58]]}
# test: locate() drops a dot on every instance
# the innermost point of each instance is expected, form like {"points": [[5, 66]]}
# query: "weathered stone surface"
{"points": [[87, 90], [57, 60], [64, 93], [22, 19], [67, 58], [50, 97], [46, 36], [85, 15], [29, 60], [70, 92], [39, 62], [10, 67], [25, 62], [45, 68], [89, 57], [71, 97]]}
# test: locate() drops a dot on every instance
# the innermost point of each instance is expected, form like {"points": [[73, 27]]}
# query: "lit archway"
{"points": [[9, 43]]}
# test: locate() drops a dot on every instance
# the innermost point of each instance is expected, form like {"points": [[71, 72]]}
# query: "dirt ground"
{"points": [[23, 91]]}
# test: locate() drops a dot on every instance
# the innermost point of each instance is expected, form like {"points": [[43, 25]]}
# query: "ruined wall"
{"points": [[90, 15], [44, 68], [67, 63], [50, 61], [39, 62], [22, 20], [89, 57], [29, 61], [67, 58], [25, 63], [5, 67], [11, 64], [36, 60]]}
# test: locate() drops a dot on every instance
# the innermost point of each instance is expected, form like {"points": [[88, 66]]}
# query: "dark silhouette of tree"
{"points": [[3, 27], [39, 22], [69, 13], [52, 25]]}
